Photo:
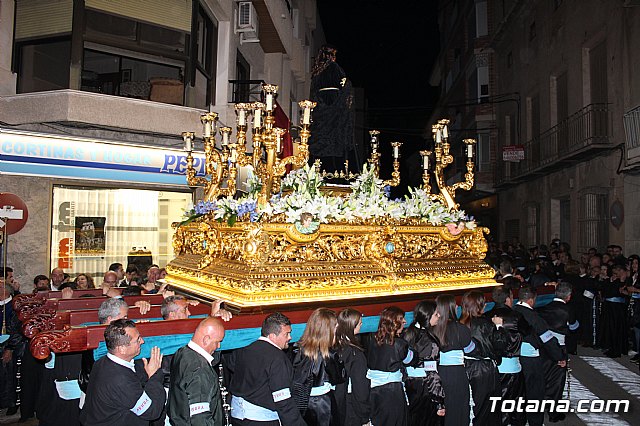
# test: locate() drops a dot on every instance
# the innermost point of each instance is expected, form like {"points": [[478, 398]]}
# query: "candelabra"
{"points": [[222, 162], [374, 159], [443, 158]]}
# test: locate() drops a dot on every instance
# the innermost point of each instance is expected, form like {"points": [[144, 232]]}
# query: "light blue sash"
{"points": [[528, 350], [615, 299], [510, 365], [379, 378], [242, 409], [321, 390], [455, 357], [416, 372]]}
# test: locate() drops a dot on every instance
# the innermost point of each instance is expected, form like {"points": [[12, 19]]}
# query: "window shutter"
{"points": [[38, 18], [174, 14]]}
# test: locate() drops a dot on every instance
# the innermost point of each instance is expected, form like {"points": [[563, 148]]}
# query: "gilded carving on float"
{"points": [[295, 239]]}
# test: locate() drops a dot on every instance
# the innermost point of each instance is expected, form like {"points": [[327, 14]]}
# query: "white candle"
{"points": [[438, 136], [306, 118], [257, 119], [278, 146], [470, 151], [241, 118], [225, 138], [207, 128], [188, 144], [396, 152], [269, 102], [234, 156], [445, 132], [425, 162]]}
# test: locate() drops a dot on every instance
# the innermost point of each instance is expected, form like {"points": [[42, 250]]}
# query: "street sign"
{"points": [[513, 153], [13, 212]]}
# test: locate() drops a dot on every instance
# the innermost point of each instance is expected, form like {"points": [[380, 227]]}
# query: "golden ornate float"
{"points": [[292, 239]]}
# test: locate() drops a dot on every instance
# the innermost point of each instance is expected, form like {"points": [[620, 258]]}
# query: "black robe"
{"points": [[613, 327], [388, 402], [559, 316], [537, 334], [425, 394], [307, 374], [353, 407], [259, 373], [454, 377], [119, 397], [52, 410], [511, 384], [480, 363]]}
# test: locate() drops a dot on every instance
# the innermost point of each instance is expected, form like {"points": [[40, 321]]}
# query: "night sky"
{"points": [[388, 48]]}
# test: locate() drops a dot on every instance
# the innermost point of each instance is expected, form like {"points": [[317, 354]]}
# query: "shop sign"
{"points": [[513, 153], [53, 155]]}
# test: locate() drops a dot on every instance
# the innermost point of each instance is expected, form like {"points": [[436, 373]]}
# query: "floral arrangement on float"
{"points": [[303, 202]]}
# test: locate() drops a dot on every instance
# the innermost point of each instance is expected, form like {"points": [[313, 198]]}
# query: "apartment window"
{"points": [[242, 88], [482, 26], [598, 74], [146, 53], [512, 230], [43, 64], [202, 60], [593, 228], [533, 224], [484, 152]]}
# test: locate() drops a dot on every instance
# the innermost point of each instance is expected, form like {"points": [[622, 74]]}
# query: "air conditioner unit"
{"points": [[247, 22]]}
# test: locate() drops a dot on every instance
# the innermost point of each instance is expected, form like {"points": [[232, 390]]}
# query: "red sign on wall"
{"points": [[513, 153]]}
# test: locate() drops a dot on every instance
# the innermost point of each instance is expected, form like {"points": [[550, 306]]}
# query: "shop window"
{"points": [[94, 227]]}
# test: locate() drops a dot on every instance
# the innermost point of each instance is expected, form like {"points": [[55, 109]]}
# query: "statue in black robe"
{"points": [[331, 138]]}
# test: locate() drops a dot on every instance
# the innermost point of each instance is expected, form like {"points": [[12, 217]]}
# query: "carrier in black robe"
{"points": [[51, 409], [353, 406], [425, 394], [262, 374], [511, 384], [454, 377], [537, 334], [388, 401], [561, 320], [613, 328], [308, 374], [480, 363], [118, 396]]}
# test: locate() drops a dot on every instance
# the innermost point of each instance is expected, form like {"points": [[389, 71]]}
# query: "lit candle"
{"points": [[269, 101], [188, 143], [278, 145], [241, 117], [470, 151], [425, 162], [257, 119], [234, 156], [445, 132], [438, 136], [225, 138], [207, 128], [396, 151], [306, 117]]}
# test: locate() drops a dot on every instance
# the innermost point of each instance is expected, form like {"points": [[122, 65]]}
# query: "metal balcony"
{"points": [[582, 135]]}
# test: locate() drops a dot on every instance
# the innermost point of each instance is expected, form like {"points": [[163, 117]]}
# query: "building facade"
{"points": [[566, 123], [94, 95]]}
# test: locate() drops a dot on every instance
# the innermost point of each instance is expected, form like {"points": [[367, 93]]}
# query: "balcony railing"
{"points": [[582, 134], [632, 133], [246, 90]]}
